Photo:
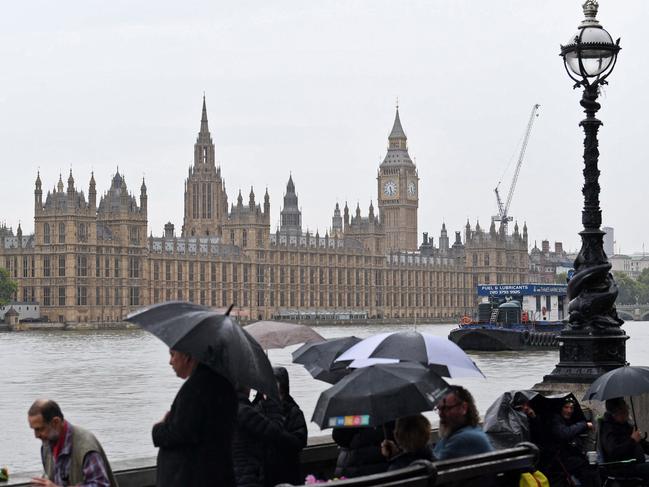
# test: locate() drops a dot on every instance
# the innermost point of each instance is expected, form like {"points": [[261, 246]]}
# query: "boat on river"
{"points": [[514, 317]]}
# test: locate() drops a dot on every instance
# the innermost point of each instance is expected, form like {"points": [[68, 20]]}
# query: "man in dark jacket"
{"points": [[621, 441], [282, 464], [195, 436], [566, 457]]}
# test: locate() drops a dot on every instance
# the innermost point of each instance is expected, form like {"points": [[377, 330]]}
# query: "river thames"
{"points": [[118, 383]]}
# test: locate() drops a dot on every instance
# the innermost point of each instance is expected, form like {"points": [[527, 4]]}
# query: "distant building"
{"points": [[546, 264], [90, 260], [25, 311], [631, 265], [609, 241]]}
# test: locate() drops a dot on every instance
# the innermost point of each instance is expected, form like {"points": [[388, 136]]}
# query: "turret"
{"points": [[358, 210], [239, 200], [143, 198], [443, 239], [169, 230], [59, 185], [70, 183], [371, 212], [38, 193], [336, 222], [267, 204], [92, 193], [346, 215], [251, 201], [123, 193], [525, 232], [19, 235]]}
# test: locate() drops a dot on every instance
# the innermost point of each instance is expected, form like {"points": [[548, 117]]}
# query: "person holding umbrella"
{"points": [[620, 440], [195, 436]]}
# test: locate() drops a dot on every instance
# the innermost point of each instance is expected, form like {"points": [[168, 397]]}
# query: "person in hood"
{"points": [[282, 458]]}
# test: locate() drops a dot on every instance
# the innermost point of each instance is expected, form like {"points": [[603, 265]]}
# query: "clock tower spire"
{"points": [[398, 191]]}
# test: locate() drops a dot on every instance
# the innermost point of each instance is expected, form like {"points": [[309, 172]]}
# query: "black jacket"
{"points": [[404, 459], [255, 430], [195, 438], [283, 457], [360, 451], [563, 446], [616, 442]]}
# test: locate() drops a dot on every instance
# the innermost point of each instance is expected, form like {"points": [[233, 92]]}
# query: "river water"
{"points": [[118, 383]]}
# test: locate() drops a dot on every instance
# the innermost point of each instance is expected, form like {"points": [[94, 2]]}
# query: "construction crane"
{"points": [[503, 208]]}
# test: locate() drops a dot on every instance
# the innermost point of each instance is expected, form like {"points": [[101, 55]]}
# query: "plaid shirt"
{"points": [[94, 470]]}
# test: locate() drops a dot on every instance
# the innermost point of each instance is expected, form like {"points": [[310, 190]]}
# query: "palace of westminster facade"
{"points": [[91, 261]]}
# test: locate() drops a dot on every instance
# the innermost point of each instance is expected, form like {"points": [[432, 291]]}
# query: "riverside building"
{"points": [[90, 260]]}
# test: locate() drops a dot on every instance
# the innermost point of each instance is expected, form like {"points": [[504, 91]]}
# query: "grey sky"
{"points": [[310, 88]]}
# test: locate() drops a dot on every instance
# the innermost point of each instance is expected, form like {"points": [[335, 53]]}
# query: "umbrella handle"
{"points": [[635, 422]]}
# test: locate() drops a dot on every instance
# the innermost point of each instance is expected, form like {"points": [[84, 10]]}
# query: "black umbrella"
{"points": [[318, 358], [624, 381], [374, 395], [213, 339]]}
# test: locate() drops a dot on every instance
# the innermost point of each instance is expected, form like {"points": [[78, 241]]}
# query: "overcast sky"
{"points": [[309, 88]]}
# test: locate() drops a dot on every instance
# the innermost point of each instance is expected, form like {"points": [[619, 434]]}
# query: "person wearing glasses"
{"points": [[459, 432]]}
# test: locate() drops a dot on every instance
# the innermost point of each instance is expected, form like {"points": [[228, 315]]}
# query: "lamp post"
{"points": [[593, 342]]}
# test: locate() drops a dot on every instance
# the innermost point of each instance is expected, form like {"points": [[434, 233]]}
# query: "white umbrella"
{"points": [[439, 353]]}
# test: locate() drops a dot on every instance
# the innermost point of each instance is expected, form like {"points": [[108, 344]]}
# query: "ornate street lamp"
{"points": [[593, 342]]}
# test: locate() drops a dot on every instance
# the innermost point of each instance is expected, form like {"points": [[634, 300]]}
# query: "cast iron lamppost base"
{"points": [[593, 342]]}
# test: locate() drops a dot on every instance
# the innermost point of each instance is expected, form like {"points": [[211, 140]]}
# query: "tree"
{"points": [[7, 287], [629, 289]]}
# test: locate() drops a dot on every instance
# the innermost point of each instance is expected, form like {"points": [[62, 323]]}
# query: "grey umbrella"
{"points": [[278, 334], [212, 338], [621, 382]]}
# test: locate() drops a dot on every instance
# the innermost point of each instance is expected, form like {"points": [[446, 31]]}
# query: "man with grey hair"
{"points": [[71, 455]]}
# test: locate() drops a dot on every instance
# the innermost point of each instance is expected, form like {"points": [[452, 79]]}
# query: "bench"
{"points": [[506, 465], [501, 467]]}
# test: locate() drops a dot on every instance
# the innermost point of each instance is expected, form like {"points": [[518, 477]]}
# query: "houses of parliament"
{"points": [[93, 260]]}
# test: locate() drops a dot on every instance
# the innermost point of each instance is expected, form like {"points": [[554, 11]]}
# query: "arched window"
{"points": [[61, 232], [46, 233]]}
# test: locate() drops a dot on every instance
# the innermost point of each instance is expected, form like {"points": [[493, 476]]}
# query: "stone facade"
{"points": [[89, 262]]}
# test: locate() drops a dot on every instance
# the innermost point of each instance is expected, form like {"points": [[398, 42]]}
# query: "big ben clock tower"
{"points": [[398, 192]]}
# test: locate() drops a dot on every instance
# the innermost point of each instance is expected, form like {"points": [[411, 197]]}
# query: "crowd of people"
{"points": [[212, 435], [562, 438], [216, 435]]}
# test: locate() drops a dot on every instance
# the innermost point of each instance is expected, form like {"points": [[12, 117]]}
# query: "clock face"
{"points": [[412, 188], [390, 188]]}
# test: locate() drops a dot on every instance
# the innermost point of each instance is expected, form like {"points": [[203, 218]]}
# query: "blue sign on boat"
{"points": [[522, 289]]}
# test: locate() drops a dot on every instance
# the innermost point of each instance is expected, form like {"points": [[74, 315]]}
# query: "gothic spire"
{"points": [[397, 138], [204, 127]]}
